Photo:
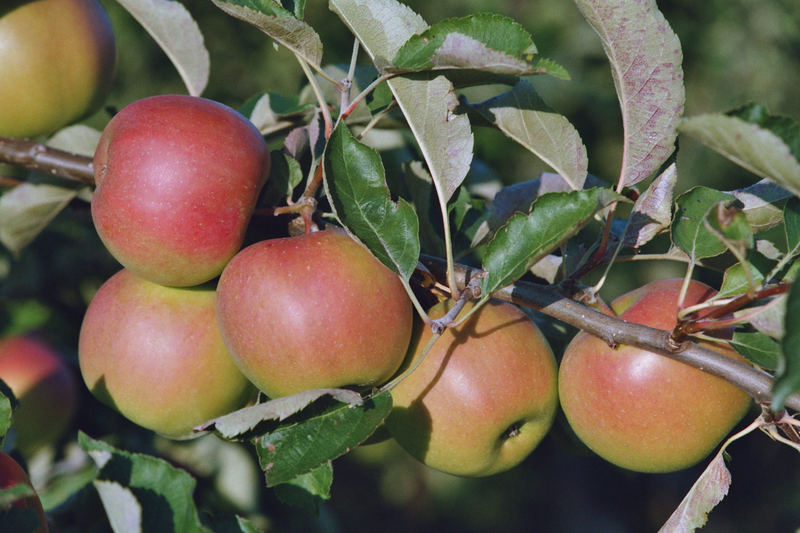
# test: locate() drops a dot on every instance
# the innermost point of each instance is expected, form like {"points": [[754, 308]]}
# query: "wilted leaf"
{"points": [[279, 24], [689, 232], [176, 32], [300, 447], [645, 57], [524, 117], [308, 490], [527, 238], [243, 421], [758, 348], [787, 375], [356, 186], [163, 492], [652, 211], [749, 145], [709, 489]]}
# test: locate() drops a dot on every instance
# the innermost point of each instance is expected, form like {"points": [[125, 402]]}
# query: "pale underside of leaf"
{"points": [[645, 56], [525, 118], [652, 212], [759, 204], [757, 149], [709, 489], [122, 508], [279, 409], [290, 32], [444, 137], [462, 51], [382, 26], [176, 32]]}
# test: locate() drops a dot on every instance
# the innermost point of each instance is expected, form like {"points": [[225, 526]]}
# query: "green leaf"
{"points": [[308, 490], [302, 446], [63, 486], [18, 519], [791, 217], [735, 280], [787, 375], [8, 402], [279, 24], [285, 174], [242, 422], [522, 115], [784, 127], [645, 57], [382, 26], [752, 146], [141, 487], [173, 28], [297, 7], [356, 186], [689, 232], [485, 41], [527, 238], [758, 348], [270, 112]]}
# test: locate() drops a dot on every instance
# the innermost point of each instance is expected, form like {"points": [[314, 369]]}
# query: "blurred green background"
{"points": [[735, 51]]}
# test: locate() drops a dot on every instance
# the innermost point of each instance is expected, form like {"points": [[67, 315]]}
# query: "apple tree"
{"points": [[249, 293]]}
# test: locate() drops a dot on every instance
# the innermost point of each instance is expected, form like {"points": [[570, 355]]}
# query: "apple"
{"points": [[177, 181], [57, 63], [11, 475], [313, 311], [45, 388], [483, 397], [155, 354], [643, 411]]}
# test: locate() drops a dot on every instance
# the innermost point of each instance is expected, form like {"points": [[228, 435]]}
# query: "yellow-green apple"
{"points": [[643, 411], [313, 311], [177, 180], [45, 388], [57, 60], [11, 475], [155, 354], [483, 397]]}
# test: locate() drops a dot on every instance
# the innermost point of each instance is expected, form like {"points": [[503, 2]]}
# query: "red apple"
{"points": [[177, 181], [45, 388], [57, 64], [155, 354], [643, 411], [11, 475], [483, 397], [313, 311]]}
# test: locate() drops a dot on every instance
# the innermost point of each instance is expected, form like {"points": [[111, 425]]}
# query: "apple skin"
{"points": [[155, 354], [57, 65], [313, 311], [11, 475], [177, 181], [45, 387], [494, 373], [643, 411]]}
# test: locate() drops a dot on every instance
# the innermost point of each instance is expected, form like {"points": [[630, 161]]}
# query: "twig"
{"points": [[38, 156]]}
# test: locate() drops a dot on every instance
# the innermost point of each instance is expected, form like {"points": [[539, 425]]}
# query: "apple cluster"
{"points": [[194, 324]]}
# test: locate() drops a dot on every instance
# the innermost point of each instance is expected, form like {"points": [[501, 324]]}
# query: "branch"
{"points": [[548, 300], [37, 156]]}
